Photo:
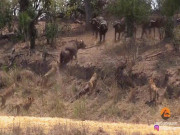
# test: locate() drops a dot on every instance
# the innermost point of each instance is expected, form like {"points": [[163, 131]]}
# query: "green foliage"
{"points": [[95, 8], [51, 31], [71, 9], [5, 14], [169, 26], [135, 11], [138, 10], [24, 20], [168, 7], [4, 68]]}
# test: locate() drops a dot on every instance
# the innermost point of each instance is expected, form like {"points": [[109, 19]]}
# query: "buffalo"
{"points": [[178, 21], [119, 27], [158, 23], [102, 28], [94, 24], [70, 51]]}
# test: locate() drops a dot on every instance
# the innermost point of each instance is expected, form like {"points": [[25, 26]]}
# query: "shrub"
{"points": [[51, 31], [24, 20], [176, 38]]}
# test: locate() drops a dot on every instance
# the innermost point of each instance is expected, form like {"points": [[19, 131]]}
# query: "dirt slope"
{"points": [[108, 102]]}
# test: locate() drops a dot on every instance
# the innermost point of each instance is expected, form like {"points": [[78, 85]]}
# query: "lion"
{"points": [[50, 73], [24, 105], [93, 81], [153, 90], [6, 93]]}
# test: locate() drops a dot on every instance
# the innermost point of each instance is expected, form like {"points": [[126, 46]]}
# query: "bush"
{"points": [[51, 32], [5, 14], [135, 11], [176, 38], [24, 20]]}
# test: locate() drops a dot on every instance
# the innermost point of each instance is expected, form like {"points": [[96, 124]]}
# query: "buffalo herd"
{"points": [[100, 27]]}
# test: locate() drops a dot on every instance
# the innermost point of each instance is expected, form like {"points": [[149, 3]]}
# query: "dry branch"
{"points": [[154, 55], [12, 59]]}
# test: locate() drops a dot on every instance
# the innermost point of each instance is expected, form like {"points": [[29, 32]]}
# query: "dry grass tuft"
{"points": [[16, 130], [112, 111], [132, 95], [79, 110], [58, 108], [116, 93]]}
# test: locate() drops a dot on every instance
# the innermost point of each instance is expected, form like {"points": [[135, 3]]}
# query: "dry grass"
{"points": [[110, 104], [177, 35], [47, 126], [79, 110], [112, 111], [116, 93], [132, 95]]}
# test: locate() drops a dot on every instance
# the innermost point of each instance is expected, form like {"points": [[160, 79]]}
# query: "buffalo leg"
{"points": [[119, 36], [96, 34], [150, 93], [159, 33], [135, 30], [3, 102], [100, 37], [142, 34], [134, 33], [115, 36], [75, 56]]}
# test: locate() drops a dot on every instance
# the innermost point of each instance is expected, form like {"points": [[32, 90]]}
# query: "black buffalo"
{"points": [[119, 27], [102, 29], [70, 51], [95, 22]]}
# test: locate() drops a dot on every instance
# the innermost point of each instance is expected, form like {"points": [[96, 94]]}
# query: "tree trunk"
{"points": [[169, 26], [24, 5], [130, 26], [33, 30], [88, 12], [32, 35]]}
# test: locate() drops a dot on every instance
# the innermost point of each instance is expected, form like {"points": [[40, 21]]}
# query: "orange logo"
{"points": [[165, 113]]}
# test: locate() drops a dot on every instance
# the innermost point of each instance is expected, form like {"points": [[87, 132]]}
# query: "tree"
{"points": [[88, 12], [24, 5], [5, 14], [169, 8], [134, 11], [51, 32], [89, 8], [30, 11]]}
